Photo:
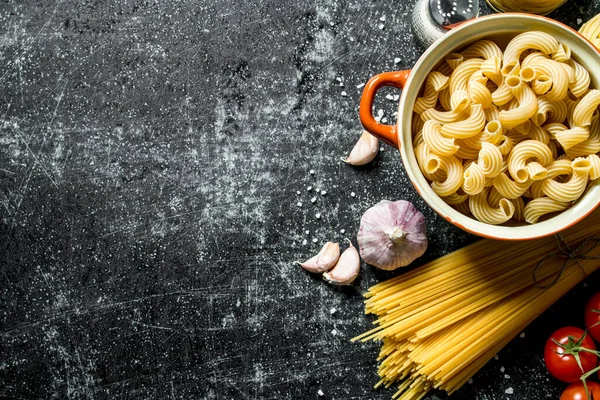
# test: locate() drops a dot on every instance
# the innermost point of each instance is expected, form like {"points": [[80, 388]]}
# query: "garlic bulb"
{"points": [[392, 234], [364, 151], [346, 269], [325, 260]]}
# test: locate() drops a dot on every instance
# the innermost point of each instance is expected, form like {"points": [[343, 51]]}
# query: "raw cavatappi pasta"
{"points": [[490, 125]]}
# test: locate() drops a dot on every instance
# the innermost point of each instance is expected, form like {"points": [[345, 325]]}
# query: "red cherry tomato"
{"points": [[576, 391], [562, 365], [591, 316]]}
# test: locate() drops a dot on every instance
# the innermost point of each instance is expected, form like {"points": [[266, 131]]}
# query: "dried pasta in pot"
{"points": [[591, 30], [500, 129]]}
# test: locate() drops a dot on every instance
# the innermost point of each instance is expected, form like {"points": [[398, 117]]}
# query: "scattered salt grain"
{"points": [[470, 381], [360, 85], [344, 94], [383, 120], [579, 21], [297, 192], [308, 189], [396, 98], [509, 391], [307, 232], [320, 393], [380, 112], [317, 190], [323, 192], [352, 194], [382, 19], [313, 199], [389, 97], [332, 311], [342, 231], [342, 84], [337, 78], [332, 23], [299, 204], [397, 60], [522, 335], [506, 376], [334, 332], [315, 240], [312, 172], [381, 26], [318, 215], [304, 242], [501, 369], [352, 39], [381, 149], [496, 357]]}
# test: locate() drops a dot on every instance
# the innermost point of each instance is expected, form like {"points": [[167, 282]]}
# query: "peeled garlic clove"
{"points": [[364, 150], [392, 235], [325, 260], [346, 269]]}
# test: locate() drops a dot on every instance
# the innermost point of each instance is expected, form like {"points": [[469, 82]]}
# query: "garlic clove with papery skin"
{"points": [[346, 269], [392, 234], [364, 151], [325, 260]]}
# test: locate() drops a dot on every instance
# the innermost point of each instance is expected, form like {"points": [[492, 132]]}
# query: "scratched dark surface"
{"points": [[154, 164]]}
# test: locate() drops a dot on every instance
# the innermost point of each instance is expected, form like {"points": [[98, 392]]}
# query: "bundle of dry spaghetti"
{"points": [[541, 7], [591, 30], [440, 323]]}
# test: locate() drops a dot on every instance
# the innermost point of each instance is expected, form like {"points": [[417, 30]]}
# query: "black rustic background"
{"points": [[155, 159]]}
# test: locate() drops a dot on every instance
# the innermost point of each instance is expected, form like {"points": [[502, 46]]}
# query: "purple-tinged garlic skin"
{"points": [[325, 260], [392, 234], [364, 151], [346, 269]]}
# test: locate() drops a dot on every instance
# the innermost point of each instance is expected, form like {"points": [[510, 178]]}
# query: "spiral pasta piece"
{"points": [[558, 168], [490, 160], [583, 111], [438, 144], [509, 188], [473, 179], [549, 111], [594, 166], [572, 189], [527, 103], [582, 80], [468, 127], [491, 69], [537, 40], [435, 83], [454, 176], [478, 91], [523, 154], [571, 137], [460, 77], [541, 206], [484, 48], [481, 209]]}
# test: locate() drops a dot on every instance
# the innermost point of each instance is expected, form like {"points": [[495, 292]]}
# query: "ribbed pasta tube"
{"points": [[490, 160], [481, 209], [505, 145], [511, 68], [582, 79], [429, 163], [492, 113], [541, 206], [589, 146], [572, 189], [492, 132], [541, 84], [591, 30], [492, 70], [509, 188], [454, 176], [456, 198], [484, 48], [561, 75], [478, 91], [562, 53], [537, 40], [558, 168], [460, 77], [454, 60], [473, 179], [438, 144], [571, 137], [468, 127], [549, 111], [538, 133], [502, 95], [527, 103], [435, 82], [582, 113], [523, 154], [554, 127], [594, 166]]}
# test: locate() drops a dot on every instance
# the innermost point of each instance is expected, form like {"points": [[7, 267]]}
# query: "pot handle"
{"points": [[386, 133]]}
